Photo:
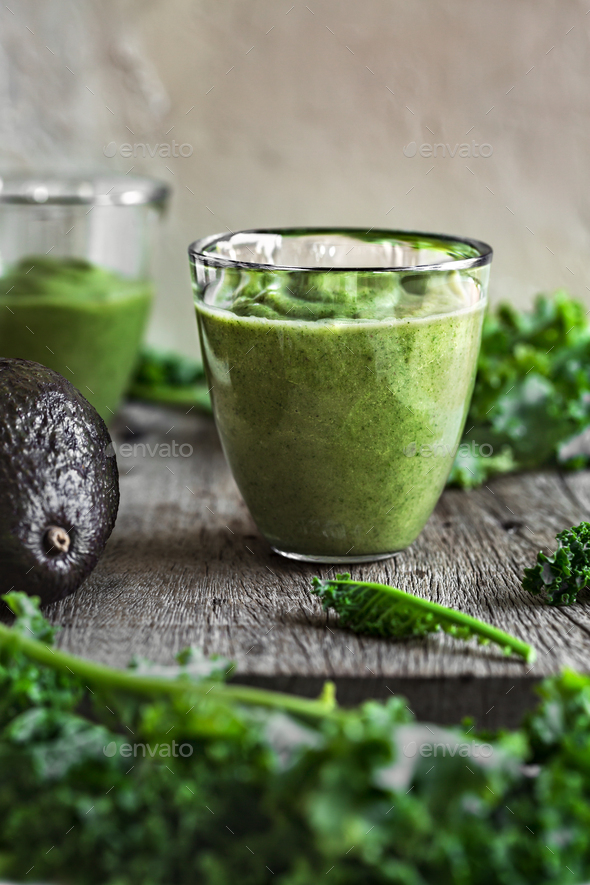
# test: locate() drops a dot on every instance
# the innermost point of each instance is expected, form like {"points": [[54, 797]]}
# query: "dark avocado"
{"points": [[59, 484]]}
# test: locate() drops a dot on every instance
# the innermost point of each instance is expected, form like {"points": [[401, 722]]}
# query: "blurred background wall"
{"points": [[290, 113]]}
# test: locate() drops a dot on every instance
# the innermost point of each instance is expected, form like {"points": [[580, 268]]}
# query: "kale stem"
{"points": [[449, 615], [103, 677]]}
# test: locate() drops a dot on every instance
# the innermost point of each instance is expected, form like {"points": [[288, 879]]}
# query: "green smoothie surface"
{"points": [[348, 296], [345, 274], [64, 279]]}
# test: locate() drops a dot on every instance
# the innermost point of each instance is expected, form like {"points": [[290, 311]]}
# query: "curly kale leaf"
{"points": [[24, 683], [532, 391], [561, 576], [29, 620], [336, 794], [380, 610]]}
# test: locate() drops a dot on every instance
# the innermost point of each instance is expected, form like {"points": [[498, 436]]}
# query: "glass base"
{"points": [[342, 560]]}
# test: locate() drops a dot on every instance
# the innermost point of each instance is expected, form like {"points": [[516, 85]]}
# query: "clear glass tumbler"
{"points": [[75, 276], [341, 364]]}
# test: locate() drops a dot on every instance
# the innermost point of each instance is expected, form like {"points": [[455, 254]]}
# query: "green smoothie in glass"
{"points": [[341, 364], [75, 275], [81, 320]]}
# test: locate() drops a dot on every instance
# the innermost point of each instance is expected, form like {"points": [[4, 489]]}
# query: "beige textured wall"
{"points": [[299, 114]]}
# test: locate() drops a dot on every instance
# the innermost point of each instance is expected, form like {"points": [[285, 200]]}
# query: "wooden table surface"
{"points": [[186, 565]]}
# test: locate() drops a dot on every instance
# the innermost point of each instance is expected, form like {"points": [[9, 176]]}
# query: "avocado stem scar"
{"points": [[56, 540]]}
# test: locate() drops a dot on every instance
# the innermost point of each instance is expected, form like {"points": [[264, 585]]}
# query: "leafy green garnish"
{"points": [[95, 789], [380, 610], [194, 673], [532, 391], [562, 575], [170, 378]]}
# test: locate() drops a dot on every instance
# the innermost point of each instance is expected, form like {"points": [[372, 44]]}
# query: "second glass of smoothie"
{"points": [[75, 276], [341, 364]]}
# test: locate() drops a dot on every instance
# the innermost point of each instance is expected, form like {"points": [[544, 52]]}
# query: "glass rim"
{"points": [[198, 251], [96, 189]]}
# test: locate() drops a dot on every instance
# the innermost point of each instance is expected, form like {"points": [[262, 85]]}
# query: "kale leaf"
{"points": [[271, 788], [170, 378], [532, 391], [380, 610], [562, 575]]}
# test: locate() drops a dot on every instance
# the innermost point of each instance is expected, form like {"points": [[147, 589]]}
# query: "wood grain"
{"points": [[186, 565]]}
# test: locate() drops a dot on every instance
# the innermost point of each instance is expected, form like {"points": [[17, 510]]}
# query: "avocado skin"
{"points": [[57, 468]]}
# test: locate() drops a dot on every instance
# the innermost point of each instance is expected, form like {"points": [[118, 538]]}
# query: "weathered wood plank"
{"points": [[186, 565]]}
